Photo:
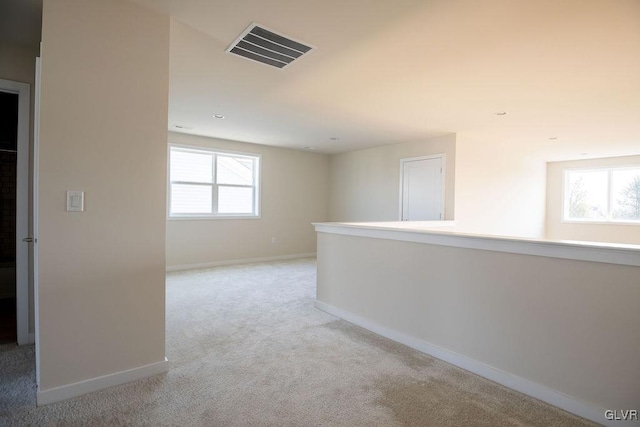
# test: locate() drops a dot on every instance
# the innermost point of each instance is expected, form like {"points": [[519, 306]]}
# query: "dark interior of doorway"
{"points": [[8, 164]]}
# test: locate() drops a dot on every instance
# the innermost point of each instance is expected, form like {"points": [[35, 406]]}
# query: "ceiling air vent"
{"points": [[259, 44]]}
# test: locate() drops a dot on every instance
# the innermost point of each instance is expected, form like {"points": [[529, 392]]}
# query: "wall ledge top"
{"points": [[443, 233]]}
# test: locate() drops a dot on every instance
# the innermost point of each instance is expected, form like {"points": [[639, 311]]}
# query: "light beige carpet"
{"points": [[247, 348]]}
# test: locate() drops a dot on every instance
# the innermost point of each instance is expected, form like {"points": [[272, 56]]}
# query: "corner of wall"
{"points": [[500, 189]]}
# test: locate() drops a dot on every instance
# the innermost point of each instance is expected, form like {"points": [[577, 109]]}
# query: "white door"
{"points": [[34, 207], [422, 189]]}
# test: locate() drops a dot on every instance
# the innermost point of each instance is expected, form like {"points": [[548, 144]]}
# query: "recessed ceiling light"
{"points": [[501, 113], [553, 138], [309, 148], [218, 116], [181, 127]]}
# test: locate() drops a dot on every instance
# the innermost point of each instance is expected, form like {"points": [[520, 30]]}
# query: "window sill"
{"points": [[577, 221], [217, 217]]}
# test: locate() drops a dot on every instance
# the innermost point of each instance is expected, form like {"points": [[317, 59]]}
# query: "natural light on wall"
{"points": [[212, 184], [602, 195]]}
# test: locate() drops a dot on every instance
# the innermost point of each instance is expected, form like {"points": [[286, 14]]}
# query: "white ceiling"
{"points": [[387, 72]]}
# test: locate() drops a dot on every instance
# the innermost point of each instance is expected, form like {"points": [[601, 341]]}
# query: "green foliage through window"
{"points": [[602, 195]]}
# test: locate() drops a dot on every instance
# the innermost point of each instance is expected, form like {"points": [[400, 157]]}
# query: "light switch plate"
{"points": [[75, 201]]}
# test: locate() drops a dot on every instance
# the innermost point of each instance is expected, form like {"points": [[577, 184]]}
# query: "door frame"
{"points": [[34, 209], [443, 161], [22, 208]]}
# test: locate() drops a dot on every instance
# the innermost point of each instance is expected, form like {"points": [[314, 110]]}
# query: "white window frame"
{"points": [[610, 220], [257, 179]]}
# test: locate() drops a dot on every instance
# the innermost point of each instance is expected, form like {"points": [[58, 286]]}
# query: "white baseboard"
{"points": [[541, 392], [238, 261], [68, 391]]}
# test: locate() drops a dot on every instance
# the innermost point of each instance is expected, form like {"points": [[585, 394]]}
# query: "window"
{"points": [[208, 183], [602, 195]]}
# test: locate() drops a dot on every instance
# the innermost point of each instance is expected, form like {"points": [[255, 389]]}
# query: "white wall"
{"points": [[18, 63], [559, 230], [567, 325], [365, 184], [500, 188], [104, 103], [294, 186]]}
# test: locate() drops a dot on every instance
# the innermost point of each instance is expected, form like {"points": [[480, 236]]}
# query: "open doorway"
{"points": [[14, 193], [8, 168]]}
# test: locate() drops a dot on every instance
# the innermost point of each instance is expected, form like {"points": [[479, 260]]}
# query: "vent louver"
{"points": [[257, 43]]}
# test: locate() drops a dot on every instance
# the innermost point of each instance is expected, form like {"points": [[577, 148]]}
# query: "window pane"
{"points": [[234, 170], [235, 200], [191, 167], [190, 199], [586, 195], [626, 194]]}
